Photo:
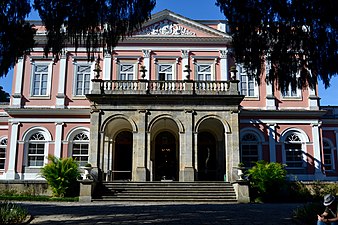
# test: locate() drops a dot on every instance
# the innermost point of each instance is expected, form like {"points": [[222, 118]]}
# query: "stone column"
{"points": [[58, 139], [140, 148], [146, 62], [317, 150], [60, 97], [149, 165], [224, 64], [95, 135], [232, 148], [270, 100], [272, 142], [11, 171], [16, 100], [187, 171]]}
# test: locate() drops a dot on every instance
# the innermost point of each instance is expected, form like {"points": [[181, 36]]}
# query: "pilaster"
{"points": [[60, 97], [317, 150], [146, 62], [272, 142], [58, 139], [107, 66], [11, 171], [224, 64], [185, 61], [16, 100]]}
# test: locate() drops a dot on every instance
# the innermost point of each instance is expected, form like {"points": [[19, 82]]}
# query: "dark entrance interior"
{"points": [[207, 158], [166, 165], [123, 156]]}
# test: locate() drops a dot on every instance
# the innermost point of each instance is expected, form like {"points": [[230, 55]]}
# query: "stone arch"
{"points": [[108, 121], [224, 122], [178, 123]]}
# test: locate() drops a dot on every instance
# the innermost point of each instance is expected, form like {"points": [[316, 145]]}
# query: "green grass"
{"points": [[38, 198], [11, 213]]}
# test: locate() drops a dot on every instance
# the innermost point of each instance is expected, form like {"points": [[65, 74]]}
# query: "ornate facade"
{"points": [[162, 106]]}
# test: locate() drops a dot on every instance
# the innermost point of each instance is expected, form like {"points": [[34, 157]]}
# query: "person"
{"points": [[330, 215]]}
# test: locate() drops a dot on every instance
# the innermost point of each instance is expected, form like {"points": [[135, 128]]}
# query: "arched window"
{"points": [[249, 149], [36, 150], [3, 146], [328, 156], [80, 148], [293, 151]]}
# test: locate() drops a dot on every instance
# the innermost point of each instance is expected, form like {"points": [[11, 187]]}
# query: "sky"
{"points": [[201, 10]]}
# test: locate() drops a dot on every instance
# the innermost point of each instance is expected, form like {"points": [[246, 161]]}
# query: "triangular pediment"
{"points": [[169, 24]]}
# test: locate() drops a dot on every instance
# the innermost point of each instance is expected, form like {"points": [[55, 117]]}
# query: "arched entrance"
{"points": [[123, 156], [166, 157], [207, 162]]}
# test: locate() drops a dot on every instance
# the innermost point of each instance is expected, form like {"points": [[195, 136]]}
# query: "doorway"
{"points": [[123, 156], [166, 157], [207, 163]]}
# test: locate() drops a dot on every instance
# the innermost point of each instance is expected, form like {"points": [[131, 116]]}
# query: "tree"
{"points": [[90, 23], [4, 96], [297, 39]]}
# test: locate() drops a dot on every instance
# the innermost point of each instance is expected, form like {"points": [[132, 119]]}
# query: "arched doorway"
{"points": [[123, 156], [166, 157], [207, 162]]}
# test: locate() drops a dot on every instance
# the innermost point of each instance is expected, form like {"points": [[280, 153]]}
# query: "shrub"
{"points": [[307, 214], [11, 213], [61, 175], [267, 180]]}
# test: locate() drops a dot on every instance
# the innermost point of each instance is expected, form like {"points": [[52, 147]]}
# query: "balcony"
{"points": [[156, 87]]}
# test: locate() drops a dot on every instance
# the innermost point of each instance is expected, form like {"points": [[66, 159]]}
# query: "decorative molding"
{"points": [[166, 28], [146, 53], [223, 54], [185, 54]]}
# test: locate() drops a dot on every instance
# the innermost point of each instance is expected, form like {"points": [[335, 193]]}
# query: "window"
{"points": [[247, 83], [328, 156], [40, 80], [293, 151], [127, 72], [291, 93], [3, 146], [80, 148], [36, 150], [165, 72], [82, 79], [203, 72], [249, 149]]}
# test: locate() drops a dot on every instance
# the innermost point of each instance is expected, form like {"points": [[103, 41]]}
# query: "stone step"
{"points": [[166, 191]]}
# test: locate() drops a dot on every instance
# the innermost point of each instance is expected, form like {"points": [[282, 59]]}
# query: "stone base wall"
{"points": [[25, 187]]}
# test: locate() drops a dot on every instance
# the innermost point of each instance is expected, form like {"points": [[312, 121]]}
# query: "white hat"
{"points": [[328, 199]]}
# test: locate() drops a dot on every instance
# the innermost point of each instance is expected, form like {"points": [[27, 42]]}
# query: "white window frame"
{"points": [[77, 65], [199, 73], [70, 138], [331, 147], [43, 131], [290, 94], [166, 65], [3, 145], [127, 74], [243, 73], [36, 64], [303, 139], [36, 142], [260, 139], [81, 143]]}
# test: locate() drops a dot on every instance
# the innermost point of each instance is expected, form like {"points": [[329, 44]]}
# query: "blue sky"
{"points": [[202, 10]]}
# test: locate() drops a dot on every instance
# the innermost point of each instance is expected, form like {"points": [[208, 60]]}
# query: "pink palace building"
{"points": [[166, 104]]}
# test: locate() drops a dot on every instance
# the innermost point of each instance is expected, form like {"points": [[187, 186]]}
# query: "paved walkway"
{"points": [[159, 213]]}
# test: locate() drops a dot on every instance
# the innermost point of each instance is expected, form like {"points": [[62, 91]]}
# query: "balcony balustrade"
{"points": [[169, 87]]}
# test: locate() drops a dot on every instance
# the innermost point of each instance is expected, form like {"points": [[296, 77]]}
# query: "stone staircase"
{"points": [[204, 192]]}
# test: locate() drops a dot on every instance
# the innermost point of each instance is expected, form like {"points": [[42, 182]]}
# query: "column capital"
{"points": [[146, 53], [185, 53], [224, 53]]}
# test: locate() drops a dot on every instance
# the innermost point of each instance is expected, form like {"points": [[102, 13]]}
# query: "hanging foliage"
{"points": [[92, 24], [16, 35], [297, 39]]}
